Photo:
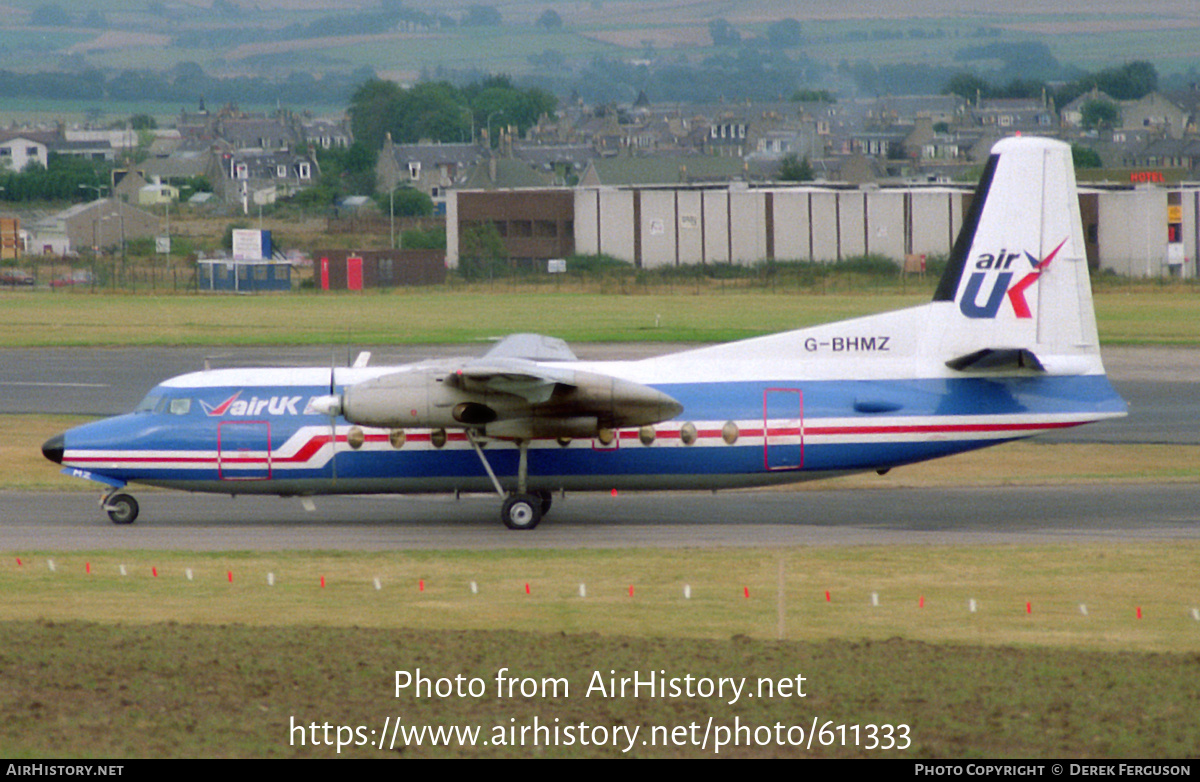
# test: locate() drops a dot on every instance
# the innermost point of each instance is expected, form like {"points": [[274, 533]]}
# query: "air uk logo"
{"points": [[998, 267], [272, 405]]}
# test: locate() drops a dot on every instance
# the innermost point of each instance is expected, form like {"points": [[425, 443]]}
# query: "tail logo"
{"points": [[1000, 262]]}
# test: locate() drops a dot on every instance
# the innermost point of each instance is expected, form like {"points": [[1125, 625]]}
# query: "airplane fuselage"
{"points": [[242, 432]]}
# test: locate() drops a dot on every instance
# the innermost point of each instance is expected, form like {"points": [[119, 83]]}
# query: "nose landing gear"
{"points": [[120, 507]]}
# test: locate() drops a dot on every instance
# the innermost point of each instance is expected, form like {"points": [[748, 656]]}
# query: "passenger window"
{"points": [[180, 406]]}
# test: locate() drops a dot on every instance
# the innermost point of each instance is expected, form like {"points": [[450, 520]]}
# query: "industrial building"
{"points": [[1140, 231]]}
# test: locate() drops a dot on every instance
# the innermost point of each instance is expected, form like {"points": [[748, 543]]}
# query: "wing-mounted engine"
{"points": [[504, 397]]}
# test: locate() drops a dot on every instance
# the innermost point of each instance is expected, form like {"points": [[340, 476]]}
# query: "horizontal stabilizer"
{"points": [[997, 360]]}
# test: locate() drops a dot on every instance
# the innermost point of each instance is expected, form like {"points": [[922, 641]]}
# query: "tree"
{"points": [[968, 86], [550, 20], [409, 202], [723, 33], [813, 96], [481, 252], [793, 169], [482, 16], [1099, 114], [784, 33], [1083, 157], [1129, 82]]}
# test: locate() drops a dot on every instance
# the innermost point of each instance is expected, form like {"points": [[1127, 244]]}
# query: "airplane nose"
{"points": [[52, 449]]}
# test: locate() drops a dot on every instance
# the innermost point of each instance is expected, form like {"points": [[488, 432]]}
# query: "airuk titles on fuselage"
{"points": [[272, 405]]}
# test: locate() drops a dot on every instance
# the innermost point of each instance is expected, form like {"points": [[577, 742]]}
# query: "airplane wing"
{"points": [[525, 379], [506, 396], [535, 347]]}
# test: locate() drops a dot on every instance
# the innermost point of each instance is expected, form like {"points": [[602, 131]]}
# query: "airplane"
{"points": [[1007, 348]]}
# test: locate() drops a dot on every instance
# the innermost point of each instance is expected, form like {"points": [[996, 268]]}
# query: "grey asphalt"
{"points": [[812, 517]]}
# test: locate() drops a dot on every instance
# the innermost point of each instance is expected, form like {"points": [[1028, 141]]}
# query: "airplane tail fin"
{"points": [[1016, 289]]}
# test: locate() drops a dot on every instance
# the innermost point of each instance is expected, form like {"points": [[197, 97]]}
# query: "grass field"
{"points": [[620, 311], [172, 690], [160, 671]]}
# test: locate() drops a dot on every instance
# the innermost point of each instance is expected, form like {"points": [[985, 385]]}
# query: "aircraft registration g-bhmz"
{"points": [[1007, 349]]}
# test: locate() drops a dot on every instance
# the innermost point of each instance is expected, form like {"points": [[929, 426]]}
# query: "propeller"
{"points": [[331, 405]]}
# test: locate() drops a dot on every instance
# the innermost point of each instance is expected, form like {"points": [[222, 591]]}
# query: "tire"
{"points": [[121, 509], [521, 511]]}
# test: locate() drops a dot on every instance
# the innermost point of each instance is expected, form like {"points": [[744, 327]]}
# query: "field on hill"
{"points": [[276, 39]]}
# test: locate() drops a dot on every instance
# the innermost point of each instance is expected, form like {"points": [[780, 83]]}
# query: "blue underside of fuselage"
{"points": [[712, 463]]}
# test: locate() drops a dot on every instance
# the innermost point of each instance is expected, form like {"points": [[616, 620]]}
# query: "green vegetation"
{"points": [[181, 690], [165, 674], [122, 52], [441, 112], [65, 178], [604, 301], [1128, 82]]}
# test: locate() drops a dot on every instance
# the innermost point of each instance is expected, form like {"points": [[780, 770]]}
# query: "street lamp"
{"points": [[489, 125]]}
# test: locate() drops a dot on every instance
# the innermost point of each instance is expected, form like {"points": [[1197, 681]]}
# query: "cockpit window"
{"points": [[180, 406], [151, 403]]}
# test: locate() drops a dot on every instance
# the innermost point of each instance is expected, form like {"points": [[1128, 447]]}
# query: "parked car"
{"points": [[14, 277], [78, 277]]}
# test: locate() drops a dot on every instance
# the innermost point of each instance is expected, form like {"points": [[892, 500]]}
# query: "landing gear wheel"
{"points": [[121, 509], [521, 511], [545, 497]]}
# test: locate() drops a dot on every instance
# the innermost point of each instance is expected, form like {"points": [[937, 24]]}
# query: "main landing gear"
{"points": [[120, 507], [522, 509]]}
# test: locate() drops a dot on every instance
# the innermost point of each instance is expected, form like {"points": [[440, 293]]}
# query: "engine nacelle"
{"points": [[416, 399], [506, 400]]}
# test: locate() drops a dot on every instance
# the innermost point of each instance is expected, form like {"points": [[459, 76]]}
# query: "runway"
{"points": [[763, 518], [1158, 383]]}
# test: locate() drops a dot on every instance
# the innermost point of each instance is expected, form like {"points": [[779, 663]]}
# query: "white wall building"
{"points": [[1148, 231]]}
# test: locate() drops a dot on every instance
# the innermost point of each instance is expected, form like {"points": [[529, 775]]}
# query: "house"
{"points": [[94, 149], [1072, 113], [1010, 115], [260, 175], [265, 133], [326, 133], [430, 168], [1181, 153], [1157, 112], [18, 151]]}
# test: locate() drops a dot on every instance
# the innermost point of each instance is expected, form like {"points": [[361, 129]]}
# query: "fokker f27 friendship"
{"points": [[1007, 349]]}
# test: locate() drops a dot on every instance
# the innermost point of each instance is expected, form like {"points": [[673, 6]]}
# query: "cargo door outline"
{"points": [[244, 450], [783, 429]]}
